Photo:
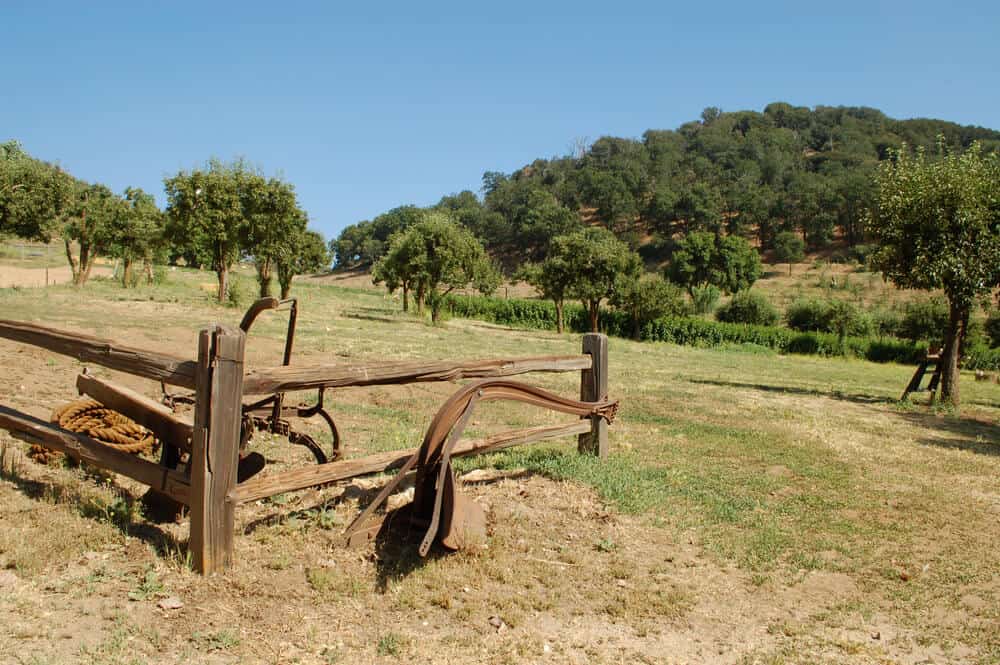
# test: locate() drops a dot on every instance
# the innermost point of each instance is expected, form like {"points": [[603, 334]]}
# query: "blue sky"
{"points": [[380, 104]]}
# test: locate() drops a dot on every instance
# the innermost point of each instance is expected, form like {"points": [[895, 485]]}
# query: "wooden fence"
{"points": [[208, 486]]}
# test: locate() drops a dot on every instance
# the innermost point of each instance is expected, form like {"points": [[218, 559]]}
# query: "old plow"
{"points": [[206, 464]]}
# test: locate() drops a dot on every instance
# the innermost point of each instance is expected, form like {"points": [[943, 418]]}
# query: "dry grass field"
{"points": [[756, 508]]}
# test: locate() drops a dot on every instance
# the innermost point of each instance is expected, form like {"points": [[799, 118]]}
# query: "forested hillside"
{"points": [[743, 173]]}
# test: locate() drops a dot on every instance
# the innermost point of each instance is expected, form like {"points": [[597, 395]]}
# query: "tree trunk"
{"points": [[559, 316], [286, 288], [406, 297], [436, 301], [636, 326], [789, 268], [595, 307], [127, 271], [420, 299], [264, 277], [147, 267], [222, 273], [958, 316], [74, 268], [86, 263]]}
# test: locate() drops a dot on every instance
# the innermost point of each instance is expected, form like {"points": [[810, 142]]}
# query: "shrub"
{"points": [[829, 316], [980, 356], [992, 328], [806, 315], [925, 320], [705, 298], [748, 307], [689, 331]]}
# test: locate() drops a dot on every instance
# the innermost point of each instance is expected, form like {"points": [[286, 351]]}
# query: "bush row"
{"points": [[688, 331]]}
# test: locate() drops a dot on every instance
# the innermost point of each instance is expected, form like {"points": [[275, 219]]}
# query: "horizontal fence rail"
{"points": [[85, 449], [297, 479], [147, 364], [289, 378]]}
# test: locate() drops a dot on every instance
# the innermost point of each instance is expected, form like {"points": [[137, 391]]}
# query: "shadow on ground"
{"points": [[857, 398], [118, 514], [973, 434]]}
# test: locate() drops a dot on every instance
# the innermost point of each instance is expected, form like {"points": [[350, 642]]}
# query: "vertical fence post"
{"points": [[594, 387], [215, 447]]}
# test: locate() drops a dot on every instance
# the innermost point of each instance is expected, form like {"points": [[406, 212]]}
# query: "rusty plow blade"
{"points": [[447, 515]]}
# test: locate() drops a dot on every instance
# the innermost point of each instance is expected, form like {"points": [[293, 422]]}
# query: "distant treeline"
{"points": [[790, 168]]}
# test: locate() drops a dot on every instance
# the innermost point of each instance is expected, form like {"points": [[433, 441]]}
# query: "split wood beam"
{"points": [[148, 364], [289, 378], [85, 449], [158, 418], [298, 479]]}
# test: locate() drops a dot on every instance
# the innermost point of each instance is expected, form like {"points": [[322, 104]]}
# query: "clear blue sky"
{"points": [[382, 104]]}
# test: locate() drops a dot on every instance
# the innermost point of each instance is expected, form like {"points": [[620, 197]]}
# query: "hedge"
{"points": [[692, 331]]}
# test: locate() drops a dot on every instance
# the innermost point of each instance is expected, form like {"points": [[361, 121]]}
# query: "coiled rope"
{"points": [[90, 417]]}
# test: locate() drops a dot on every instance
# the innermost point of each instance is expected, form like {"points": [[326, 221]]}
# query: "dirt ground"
{"points": [[14, 276], [565, 576]]}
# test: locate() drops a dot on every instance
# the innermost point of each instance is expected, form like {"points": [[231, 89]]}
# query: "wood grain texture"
{"points": [[297, 479], [289, 378], [85, 449], [156, 417], [215, 447], [593, 388], [148, 364]]}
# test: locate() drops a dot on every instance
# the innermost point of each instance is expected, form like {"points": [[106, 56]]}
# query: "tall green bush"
{"points": [[748, 307]]}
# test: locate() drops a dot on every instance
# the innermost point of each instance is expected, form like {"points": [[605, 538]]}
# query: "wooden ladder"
{"points": [[918, 376]]}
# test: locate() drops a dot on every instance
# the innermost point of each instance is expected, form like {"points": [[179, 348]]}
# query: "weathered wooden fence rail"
{"points": [[208, 485]]}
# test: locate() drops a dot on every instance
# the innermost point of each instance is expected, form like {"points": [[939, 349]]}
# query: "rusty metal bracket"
{"points": [[449, 516]]}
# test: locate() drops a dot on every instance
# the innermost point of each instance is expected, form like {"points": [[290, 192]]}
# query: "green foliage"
{"points": [[207, 211], [937, 226], [648, 298], [925, 320], [600, 266], [728, 262], [303, 252], [34, 195], [750, 308], [136, 234], [688, 331], [992, 328], [704, 298], [830, 316], [363, 243], [789, 248], [92, 216], [436, 256]]}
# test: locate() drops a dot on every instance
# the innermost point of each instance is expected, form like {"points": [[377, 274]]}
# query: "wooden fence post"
{"points": [[215, 447], [594, 387]]}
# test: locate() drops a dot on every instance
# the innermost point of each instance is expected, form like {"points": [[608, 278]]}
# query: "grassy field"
{"points": [[756, 508]]}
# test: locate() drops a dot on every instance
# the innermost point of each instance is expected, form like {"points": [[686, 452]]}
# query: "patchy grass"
{"points": [[755, 508]]}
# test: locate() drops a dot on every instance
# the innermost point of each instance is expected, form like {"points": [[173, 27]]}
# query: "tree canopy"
{"points": [[436, 256], [937, 226]]}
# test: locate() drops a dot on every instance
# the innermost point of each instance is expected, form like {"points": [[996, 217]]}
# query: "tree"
{"points": [[728, 262], [207, 211], [34, 195], [135, 234], [937, 226], [648, 298], [274, 226], [553, 278], [601, 265], [437, 256], [306, 253], [789, 248], [95, 210]]}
